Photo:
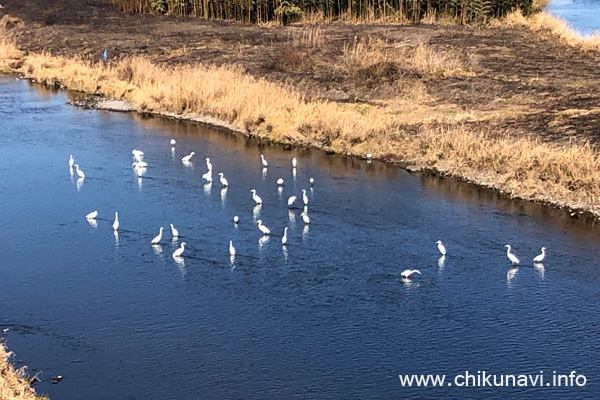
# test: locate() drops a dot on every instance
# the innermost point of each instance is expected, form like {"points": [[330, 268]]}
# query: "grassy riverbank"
{"points": [[412, 95], [13, 385]]}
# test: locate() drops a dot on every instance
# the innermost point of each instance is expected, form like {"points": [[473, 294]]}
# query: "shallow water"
{"points": [[327, 317], [582, 15]]}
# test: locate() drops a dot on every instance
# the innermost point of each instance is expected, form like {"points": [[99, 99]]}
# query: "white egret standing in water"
{"points": [[137, 154], [188, 157], [291, 201], [304, 197], [284, 238], [264, 162], [92, 215], [294, 162], [208, 164], [223, 180], [231, 249], [511, 256], [540, 258], [79, 172], [236, 219], [207, 176], [156, 239], [71, 161], [255, 197], [441, 247], [312, 182], [116, 223], [408, 272], [179, 252], [262, 228], [304, 216], [173, 142], [174, 232], [280, 182]]}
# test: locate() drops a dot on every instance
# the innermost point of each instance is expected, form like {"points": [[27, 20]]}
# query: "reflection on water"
{"points": [[539, 268], [79, 183], [207, 188], [441, 262], [158, 250], [92, 222], [264, 174]]}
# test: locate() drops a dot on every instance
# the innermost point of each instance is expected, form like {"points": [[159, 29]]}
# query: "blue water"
{"points": [[582, 15], [326, 317]]}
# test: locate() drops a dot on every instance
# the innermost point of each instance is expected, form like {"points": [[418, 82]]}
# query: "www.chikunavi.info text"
{"points": [[485, 378]]}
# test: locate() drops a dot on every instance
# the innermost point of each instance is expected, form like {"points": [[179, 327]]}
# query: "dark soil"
{"points": [[519, 82]]}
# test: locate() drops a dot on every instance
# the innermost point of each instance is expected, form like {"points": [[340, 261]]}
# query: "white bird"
{"points": [[188, 157], [304, 197], [511, 256], [441, 247], [291, 201], [223, 180], [311, 181], [280, 181], [208, 164], [156, 240], [407, 273], [264, 162], [173, 142], [137, 154], [174, 231], [71, 161], [236, 219], [208, 176], [540, 258], [284, 238], [369, 156], [139, 164], [116, 223], [231, 249], [294, 162], [177, 253], [79, 172], [304, 216], [262, 228], [92, 215], [255, 197]]}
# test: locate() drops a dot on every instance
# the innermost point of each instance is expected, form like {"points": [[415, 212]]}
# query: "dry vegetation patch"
{"points": [[13, 382]]}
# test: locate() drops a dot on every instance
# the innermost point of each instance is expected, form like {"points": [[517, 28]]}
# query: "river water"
{"points": [[582, 15], [326, 317]]}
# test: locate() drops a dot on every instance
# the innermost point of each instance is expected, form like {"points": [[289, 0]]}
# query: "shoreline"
{"points": [[13, 383], [402, 128]]}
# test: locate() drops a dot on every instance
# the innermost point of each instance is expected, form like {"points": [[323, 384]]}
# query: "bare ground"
{"points": [[517, 81]]}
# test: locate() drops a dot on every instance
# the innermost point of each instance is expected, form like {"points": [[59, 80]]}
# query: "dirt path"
{"points": [[515, 82]]}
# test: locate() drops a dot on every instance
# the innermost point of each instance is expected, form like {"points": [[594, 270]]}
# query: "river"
{"points": [[328, 316], [582, 15]]}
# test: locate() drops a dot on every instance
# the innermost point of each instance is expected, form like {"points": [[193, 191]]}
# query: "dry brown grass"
{"points": [[566, 174], [554, 27], [13, 385]]}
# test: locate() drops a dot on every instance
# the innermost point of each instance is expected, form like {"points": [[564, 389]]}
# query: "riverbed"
{"points": [[327, 316]]}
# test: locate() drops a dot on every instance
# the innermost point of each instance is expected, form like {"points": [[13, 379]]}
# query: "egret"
{"points": [[407, 273], [156, 240], [231, 249], [540, 258], [304, 216], [71, 161], [262, 228], [188, 157], [291, 201], [284, 238], [174, 231], [312, 182], [208, 176], [264, 162], [92, 215], [294, 162], [280, 182], [441, 247], [139, 164], [255, 197], [304, 197], [137, 154], [177, 253], [236, 219], [369, 156], [511, 256], [208, 164], [105, 56], [223, 180], [116, 223], [79, 172], [173, 142]]}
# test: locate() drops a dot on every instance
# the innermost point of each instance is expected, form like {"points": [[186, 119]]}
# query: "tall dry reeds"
{"points": [[13, 382]]}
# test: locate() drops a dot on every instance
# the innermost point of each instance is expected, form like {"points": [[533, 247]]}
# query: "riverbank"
{"points": [[512, 106], [13, 385]]}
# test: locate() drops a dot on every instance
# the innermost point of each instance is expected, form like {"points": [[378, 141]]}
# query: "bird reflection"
{"points": [[539, 268], [92, 222], [441, 262], [173, 152], [264, 173], [232, 262], [284, 250], [409, 284], [256, 212], [116, 233], [157, 249], [294, 173], [292, 216], [305, 232], [71, 171], [188, 165], [180, 262], [263, 241], [224, 195], [79, 184], [279, 191], [510, 275], [140, 184], [207, 187]]}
